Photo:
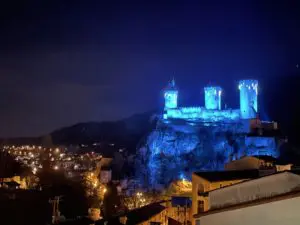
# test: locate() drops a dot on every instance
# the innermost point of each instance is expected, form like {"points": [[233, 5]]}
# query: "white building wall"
{"points": [[284, 212], [283, 167], [105, 176], [255, 189]]}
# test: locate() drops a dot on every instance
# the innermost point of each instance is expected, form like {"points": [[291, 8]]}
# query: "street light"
{"points": [[34, 170], [95, 184]]}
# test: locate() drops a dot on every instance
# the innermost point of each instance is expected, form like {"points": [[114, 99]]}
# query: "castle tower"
{"points": [[170, 95], [212, 97], [248, 98]]}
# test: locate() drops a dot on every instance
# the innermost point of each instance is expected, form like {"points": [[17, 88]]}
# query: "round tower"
{"points": [[248, 98], [212, 97], [170, 95]]}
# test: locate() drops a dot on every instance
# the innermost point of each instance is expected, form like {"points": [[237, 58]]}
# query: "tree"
{"points": [[111, 201], [47, 141], [8, 166], [54, 183]]}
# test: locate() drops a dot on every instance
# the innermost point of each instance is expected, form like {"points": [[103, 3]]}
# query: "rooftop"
{"points": [[297, 172], [106, 168], [12, 184], [271, 159], [142, 214], [266, 158], [215, 176], [292, 194]]}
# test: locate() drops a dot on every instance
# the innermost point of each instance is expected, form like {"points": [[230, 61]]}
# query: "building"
{"points": [[176, 211], [212, 112], [105, 174], [213, 105], [194, 138], [11, 185], [259, 162], [154, 213], [106, 161], [180, 210], [244, 120], [204, 182], [15, 181], [272, 199]]}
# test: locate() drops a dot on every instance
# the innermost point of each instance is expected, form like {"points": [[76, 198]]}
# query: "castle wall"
{"points": [[200, 113]]}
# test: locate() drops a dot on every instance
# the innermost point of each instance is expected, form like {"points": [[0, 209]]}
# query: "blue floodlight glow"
{"points": [[261, 146], [183, 177], [171, 99], [200, 113], [171, 94], [213, 97], [212, 111], [248, 98], [201, 138]]}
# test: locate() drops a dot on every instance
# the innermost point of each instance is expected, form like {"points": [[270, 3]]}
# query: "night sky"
{"points": [[63, 63]]}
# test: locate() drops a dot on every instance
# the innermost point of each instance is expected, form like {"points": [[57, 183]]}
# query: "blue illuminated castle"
{"points": [[212, 111], [188, 139]]}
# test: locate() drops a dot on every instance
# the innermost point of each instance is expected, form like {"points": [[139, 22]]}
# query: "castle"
{"points": [[260, 137], [188, 139], [213, 112]]}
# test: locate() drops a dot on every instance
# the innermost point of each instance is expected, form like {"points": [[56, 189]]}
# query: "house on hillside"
{"points": [[264, 163], [205, 181], [272, 199], [11, 185], [153, 214]]}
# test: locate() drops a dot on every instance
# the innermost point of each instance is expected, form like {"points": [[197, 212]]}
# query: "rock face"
{"points": [[174, 150]]}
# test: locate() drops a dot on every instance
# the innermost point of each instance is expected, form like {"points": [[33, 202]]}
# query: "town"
{"points": [[149, 112], [239, 185]]}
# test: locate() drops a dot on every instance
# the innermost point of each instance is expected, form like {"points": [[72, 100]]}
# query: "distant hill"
{"points": [[123, 131], [126, 132]]}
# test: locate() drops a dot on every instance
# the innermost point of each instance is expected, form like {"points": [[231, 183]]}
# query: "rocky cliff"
{"points": [[175, 149]]}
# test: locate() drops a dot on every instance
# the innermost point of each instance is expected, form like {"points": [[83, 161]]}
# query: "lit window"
{"points": [[200, 206]]}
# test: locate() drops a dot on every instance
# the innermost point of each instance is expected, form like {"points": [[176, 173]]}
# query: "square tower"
{"points": [[248, 98], [171, 95], [212, 97]]}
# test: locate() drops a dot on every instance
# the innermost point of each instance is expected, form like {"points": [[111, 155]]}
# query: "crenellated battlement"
{"points": [[202, 114], [212, 112]]}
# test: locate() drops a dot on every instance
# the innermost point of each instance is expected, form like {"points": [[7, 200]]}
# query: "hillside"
{"points": [[123, 132], [126, 132]]}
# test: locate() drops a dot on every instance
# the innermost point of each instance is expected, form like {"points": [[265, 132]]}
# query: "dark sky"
{"points": [[64, 62]]}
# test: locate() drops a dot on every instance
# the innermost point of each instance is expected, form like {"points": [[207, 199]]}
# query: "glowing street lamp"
{"points": [[34, 170], [95, 184]]}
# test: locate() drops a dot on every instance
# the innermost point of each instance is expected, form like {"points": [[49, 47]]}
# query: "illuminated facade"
{"points": [[212, 112], [248, 98], [171, 94], [213, 97], [188, 139]]}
